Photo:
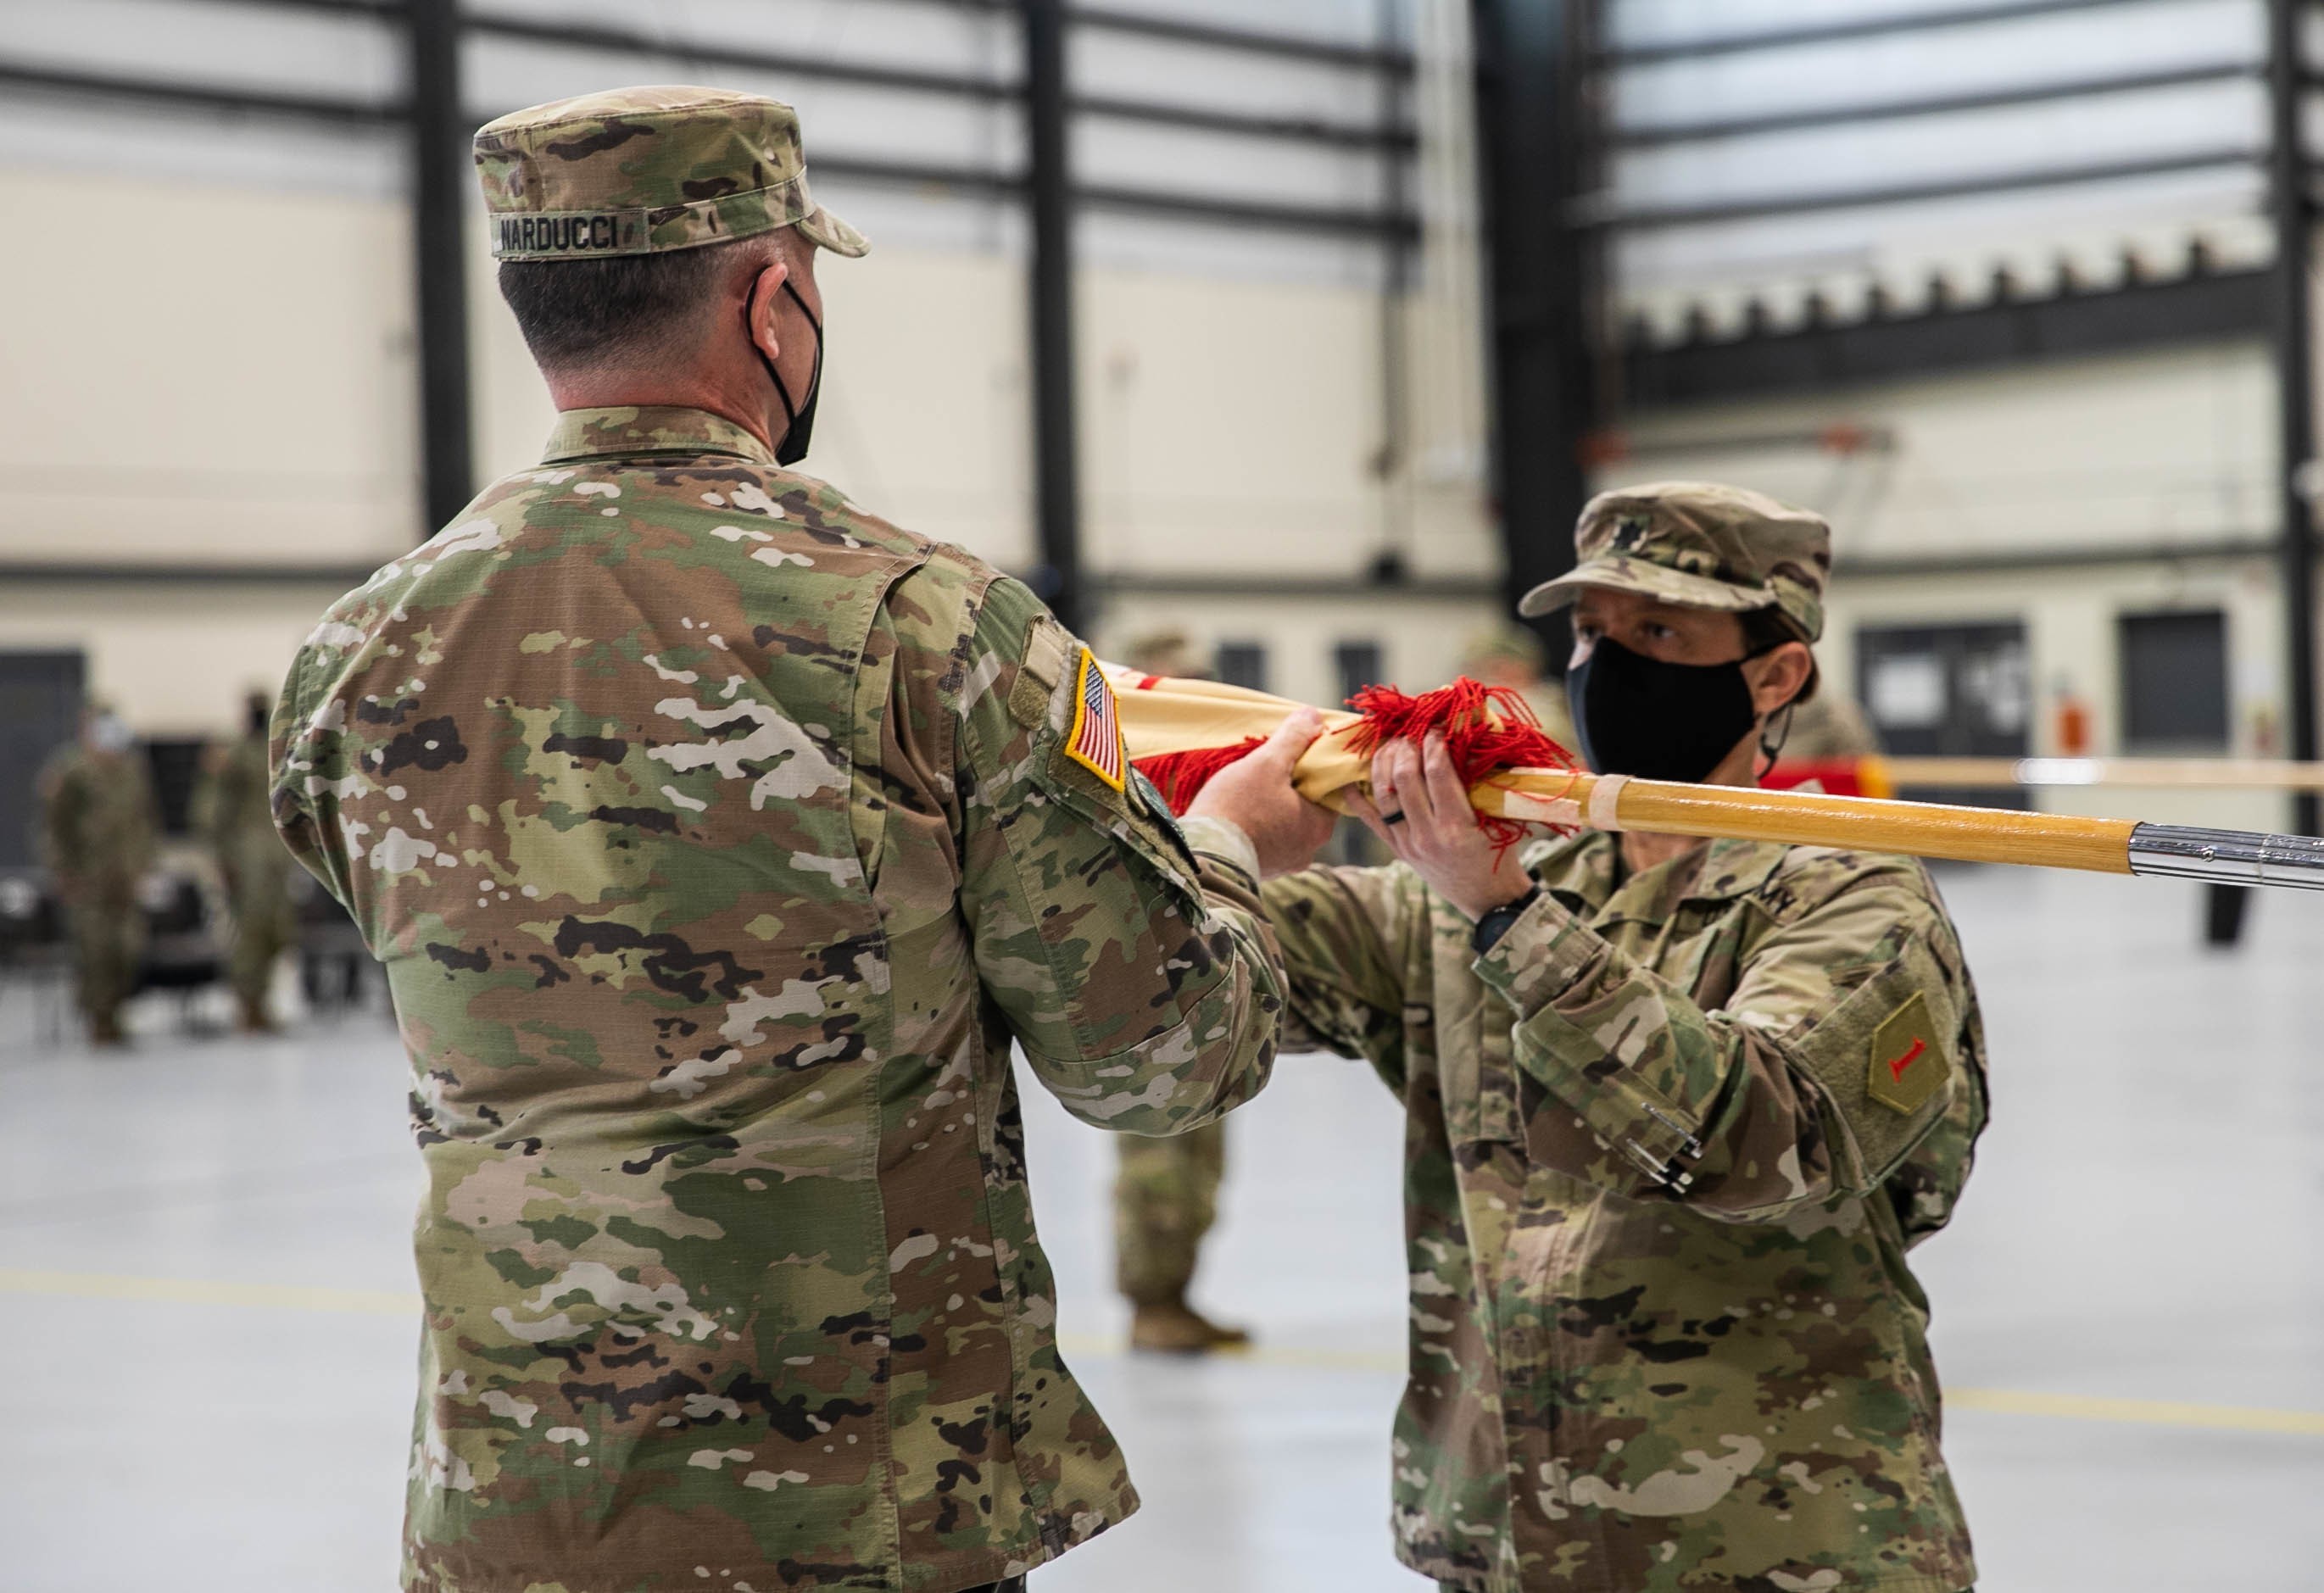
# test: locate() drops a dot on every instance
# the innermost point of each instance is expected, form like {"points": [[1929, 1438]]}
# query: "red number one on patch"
{"points": [[1896, 1068]]}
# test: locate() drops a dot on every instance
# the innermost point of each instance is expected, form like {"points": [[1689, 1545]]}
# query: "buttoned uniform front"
{"points": [[719, 838], [1664, 1333]]}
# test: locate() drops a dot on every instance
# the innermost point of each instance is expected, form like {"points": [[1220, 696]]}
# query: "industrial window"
{"points": [[2174, 681], [1950, 691], [1243, 664], [1359, 664], [40, 711]]}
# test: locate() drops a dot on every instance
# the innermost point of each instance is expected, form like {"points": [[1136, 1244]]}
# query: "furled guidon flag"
{"points": [[1096, 742]]}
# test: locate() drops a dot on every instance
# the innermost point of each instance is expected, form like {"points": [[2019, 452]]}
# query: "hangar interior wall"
{"points": [[220, 369], [219, 404]]}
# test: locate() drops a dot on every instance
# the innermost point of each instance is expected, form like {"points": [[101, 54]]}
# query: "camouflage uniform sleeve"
{"points": [[308, 759], [216, 797], [1849, 1034], [145, 846], [1137, 973], [1346, 936], [54, 829]]}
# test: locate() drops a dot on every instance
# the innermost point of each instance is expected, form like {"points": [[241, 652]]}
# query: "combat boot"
{"points": [[1172, 1327], [255, 1019]]}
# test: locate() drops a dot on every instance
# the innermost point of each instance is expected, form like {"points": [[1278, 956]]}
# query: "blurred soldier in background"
{"points": [[233, 813], [99, 829], [1676, 1111], [1830, 725], [1165, 1194], [725, 844], [1512, 655]]}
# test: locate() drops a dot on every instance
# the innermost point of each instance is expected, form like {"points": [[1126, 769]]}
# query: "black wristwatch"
{"points": [[1496, 923]]}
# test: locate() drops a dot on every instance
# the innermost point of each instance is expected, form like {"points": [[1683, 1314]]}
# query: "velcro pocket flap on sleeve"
{"points": [[1885, 1057], [1047, 651]]}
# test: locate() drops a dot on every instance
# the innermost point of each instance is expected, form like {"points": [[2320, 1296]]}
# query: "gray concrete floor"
{"points": [[204, 1280]]}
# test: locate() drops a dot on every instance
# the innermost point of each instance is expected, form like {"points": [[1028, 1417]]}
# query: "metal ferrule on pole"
{"points": [[2234, 857]]}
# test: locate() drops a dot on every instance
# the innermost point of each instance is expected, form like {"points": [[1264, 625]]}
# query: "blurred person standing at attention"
{"points": [[232, 811], [1166, 1192], [1676, 1111], [719, 839], [1830, 725], [100, 827], [1511, 655]]}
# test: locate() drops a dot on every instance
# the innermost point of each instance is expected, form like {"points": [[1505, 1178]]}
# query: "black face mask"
{"points": [[1660, 722], [799, 431]]}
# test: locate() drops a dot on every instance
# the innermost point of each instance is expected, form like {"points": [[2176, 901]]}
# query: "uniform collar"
{"points": [[653, 428], [1582, 870]]}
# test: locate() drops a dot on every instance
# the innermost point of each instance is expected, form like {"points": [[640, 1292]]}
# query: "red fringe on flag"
{"points": [[1180, 776], [1487, 729]]}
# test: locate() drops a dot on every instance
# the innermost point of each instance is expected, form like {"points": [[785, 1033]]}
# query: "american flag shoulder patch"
{"points": [[1095, 741]]}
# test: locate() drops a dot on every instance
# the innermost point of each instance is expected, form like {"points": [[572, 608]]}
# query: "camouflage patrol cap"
{"points": [[643, 171], [1701, 546], [1171, 653]]}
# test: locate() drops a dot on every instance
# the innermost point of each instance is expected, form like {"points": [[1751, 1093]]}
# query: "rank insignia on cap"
{"points": [[1096, 742], [1908, 1059]]}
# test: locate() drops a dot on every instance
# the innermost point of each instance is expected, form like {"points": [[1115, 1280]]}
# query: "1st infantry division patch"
{"points": [[1095, 742], [1908, 1059]]}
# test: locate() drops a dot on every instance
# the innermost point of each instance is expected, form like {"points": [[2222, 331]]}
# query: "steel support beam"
{"points": [[1384, 225], [1661, 134], [975, 88], [440, 180], [1056, 475], [1530, 124], [1289, 46], [2295, 379], [192, 97], [2222, 157], [1875, 27], [1823, 358]]}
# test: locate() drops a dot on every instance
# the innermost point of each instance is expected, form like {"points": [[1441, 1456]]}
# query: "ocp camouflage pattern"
{"points": [[1664, 1335], [232, 810], [647, 169], [1701, 545], [99, 830], [717, 842]]}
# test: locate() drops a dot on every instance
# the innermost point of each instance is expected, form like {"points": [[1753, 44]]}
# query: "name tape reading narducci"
{"points": [[573, 232]]}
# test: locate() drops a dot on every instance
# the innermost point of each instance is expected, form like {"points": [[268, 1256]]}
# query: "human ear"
{"points": [[764, 291], [1778, 676]]}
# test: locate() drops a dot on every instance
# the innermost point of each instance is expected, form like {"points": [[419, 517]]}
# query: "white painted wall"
{"points": [[2171, 449], [1841, 250], [236, 387], [252, 400], [2176, 447]]}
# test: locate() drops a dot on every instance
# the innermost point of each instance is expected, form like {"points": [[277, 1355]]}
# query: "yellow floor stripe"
{"points": [[2153, 1412], [2071, 1407], [199, 1292]]}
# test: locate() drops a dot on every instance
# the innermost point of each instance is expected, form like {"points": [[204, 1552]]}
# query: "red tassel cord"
{"points": [[1487, 729], [1180, 776]]}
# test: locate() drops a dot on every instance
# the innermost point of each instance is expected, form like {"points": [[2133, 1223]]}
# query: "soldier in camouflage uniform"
{"points": [[1166, 1192], [1830, 726], [1676, 1111], [232, 811], [1511, 655], [720, 839], [99, 826]]}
